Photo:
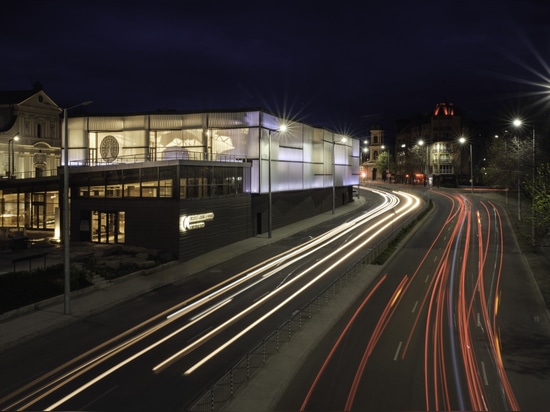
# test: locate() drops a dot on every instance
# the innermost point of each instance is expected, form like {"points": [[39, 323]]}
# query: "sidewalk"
{"points": [[50, 315]]}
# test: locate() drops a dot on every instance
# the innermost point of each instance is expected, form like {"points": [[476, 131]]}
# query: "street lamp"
{"points": [[66, 238], [282, 128], [342, 140], [365, 151], [426, 166], [11, 155], [517, 123], [462, 140], [387, 174]]}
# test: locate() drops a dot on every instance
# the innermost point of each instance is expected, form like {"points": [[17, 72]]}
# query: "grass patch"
{"points": [[18, 289]]}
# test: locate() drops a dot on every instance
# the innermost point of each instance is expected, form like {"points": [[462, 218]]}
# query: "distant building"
{"points": [[30, 133], [375, 146], [429, 148]]}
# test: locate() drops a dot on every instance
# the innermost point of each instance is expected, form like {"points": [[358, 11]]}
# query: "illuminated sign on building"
{"points": [[191, 222]]}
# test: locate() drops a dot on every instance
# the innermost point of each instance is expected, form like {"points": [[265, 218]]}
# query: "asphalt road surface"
{"points": [[159, 351], [454, 322]]}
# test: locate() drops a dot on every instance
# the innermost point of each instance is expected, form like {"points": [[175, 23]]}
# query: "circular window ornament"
{"points": [[109, 148]]}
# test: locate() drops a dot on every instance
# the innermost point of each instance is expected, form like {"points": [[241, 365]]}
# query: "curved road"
{"points": [[161, 350], [429, 332]]}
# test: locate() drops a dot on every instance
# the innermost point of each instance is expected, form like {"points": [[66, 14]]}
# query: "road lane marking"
{"points": [[427, 277], [397, 351], [484, 373], [414, 307]]}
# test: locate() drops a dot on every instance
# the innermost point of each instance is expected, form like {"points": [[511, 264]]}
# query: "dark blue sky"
{"points": [[340, 65]]}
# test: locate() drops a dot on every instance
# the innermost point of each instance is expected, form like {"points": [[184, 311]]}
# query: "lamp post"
{"points": [[342, 140], [11, 155], [66, 236], [282, 128], [365, 152], [427, 165], [517, 123], [387, 174], [462, 140]]}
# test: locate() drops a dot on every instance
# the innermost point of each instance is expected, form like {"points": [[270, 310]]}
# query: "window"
{"points": [[131, 187], [108, 226], [149, 182], [167, 175]]}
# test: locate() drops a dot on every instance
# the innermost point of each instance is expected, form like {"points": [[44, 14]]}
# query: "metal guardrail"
{"points": [[225, 388]]}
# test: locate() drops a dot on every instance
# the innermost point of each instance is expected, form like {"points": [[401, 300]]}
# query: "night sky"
{"points": [[341, 65]]}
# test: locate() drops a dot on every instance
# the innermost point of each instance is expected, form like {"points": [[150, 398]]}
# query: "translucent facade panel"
{"points": [[77, 157], [128, 146], [292, 137], [318, 146], [328, 157], [287, 176], [192, 138], [179, 144], [103, 123], [307, 143], [194, 120], [313, 177], [290, 155], [241, 142], [341, 154], [253, 143], [165, 121], [78, 135], [308, 154], [135, 122], [271, 122], [356, 148], [238, 119], [265, 148]]}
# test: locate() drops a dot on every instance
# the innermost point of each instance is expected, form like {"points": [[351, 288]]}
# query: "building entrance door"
{"points": [[108, 227], [38, 216]]}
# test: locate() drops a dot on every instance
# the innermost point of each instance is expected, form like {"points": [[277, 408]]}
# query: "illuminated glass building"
{"points": [[188, 183]]}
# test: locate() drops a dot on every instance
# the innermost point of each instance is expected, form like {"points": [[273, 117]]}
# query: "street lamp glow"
{"points": [[518, 123], [342, 140], [463, 140], [11, 155], [282, 128]]}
